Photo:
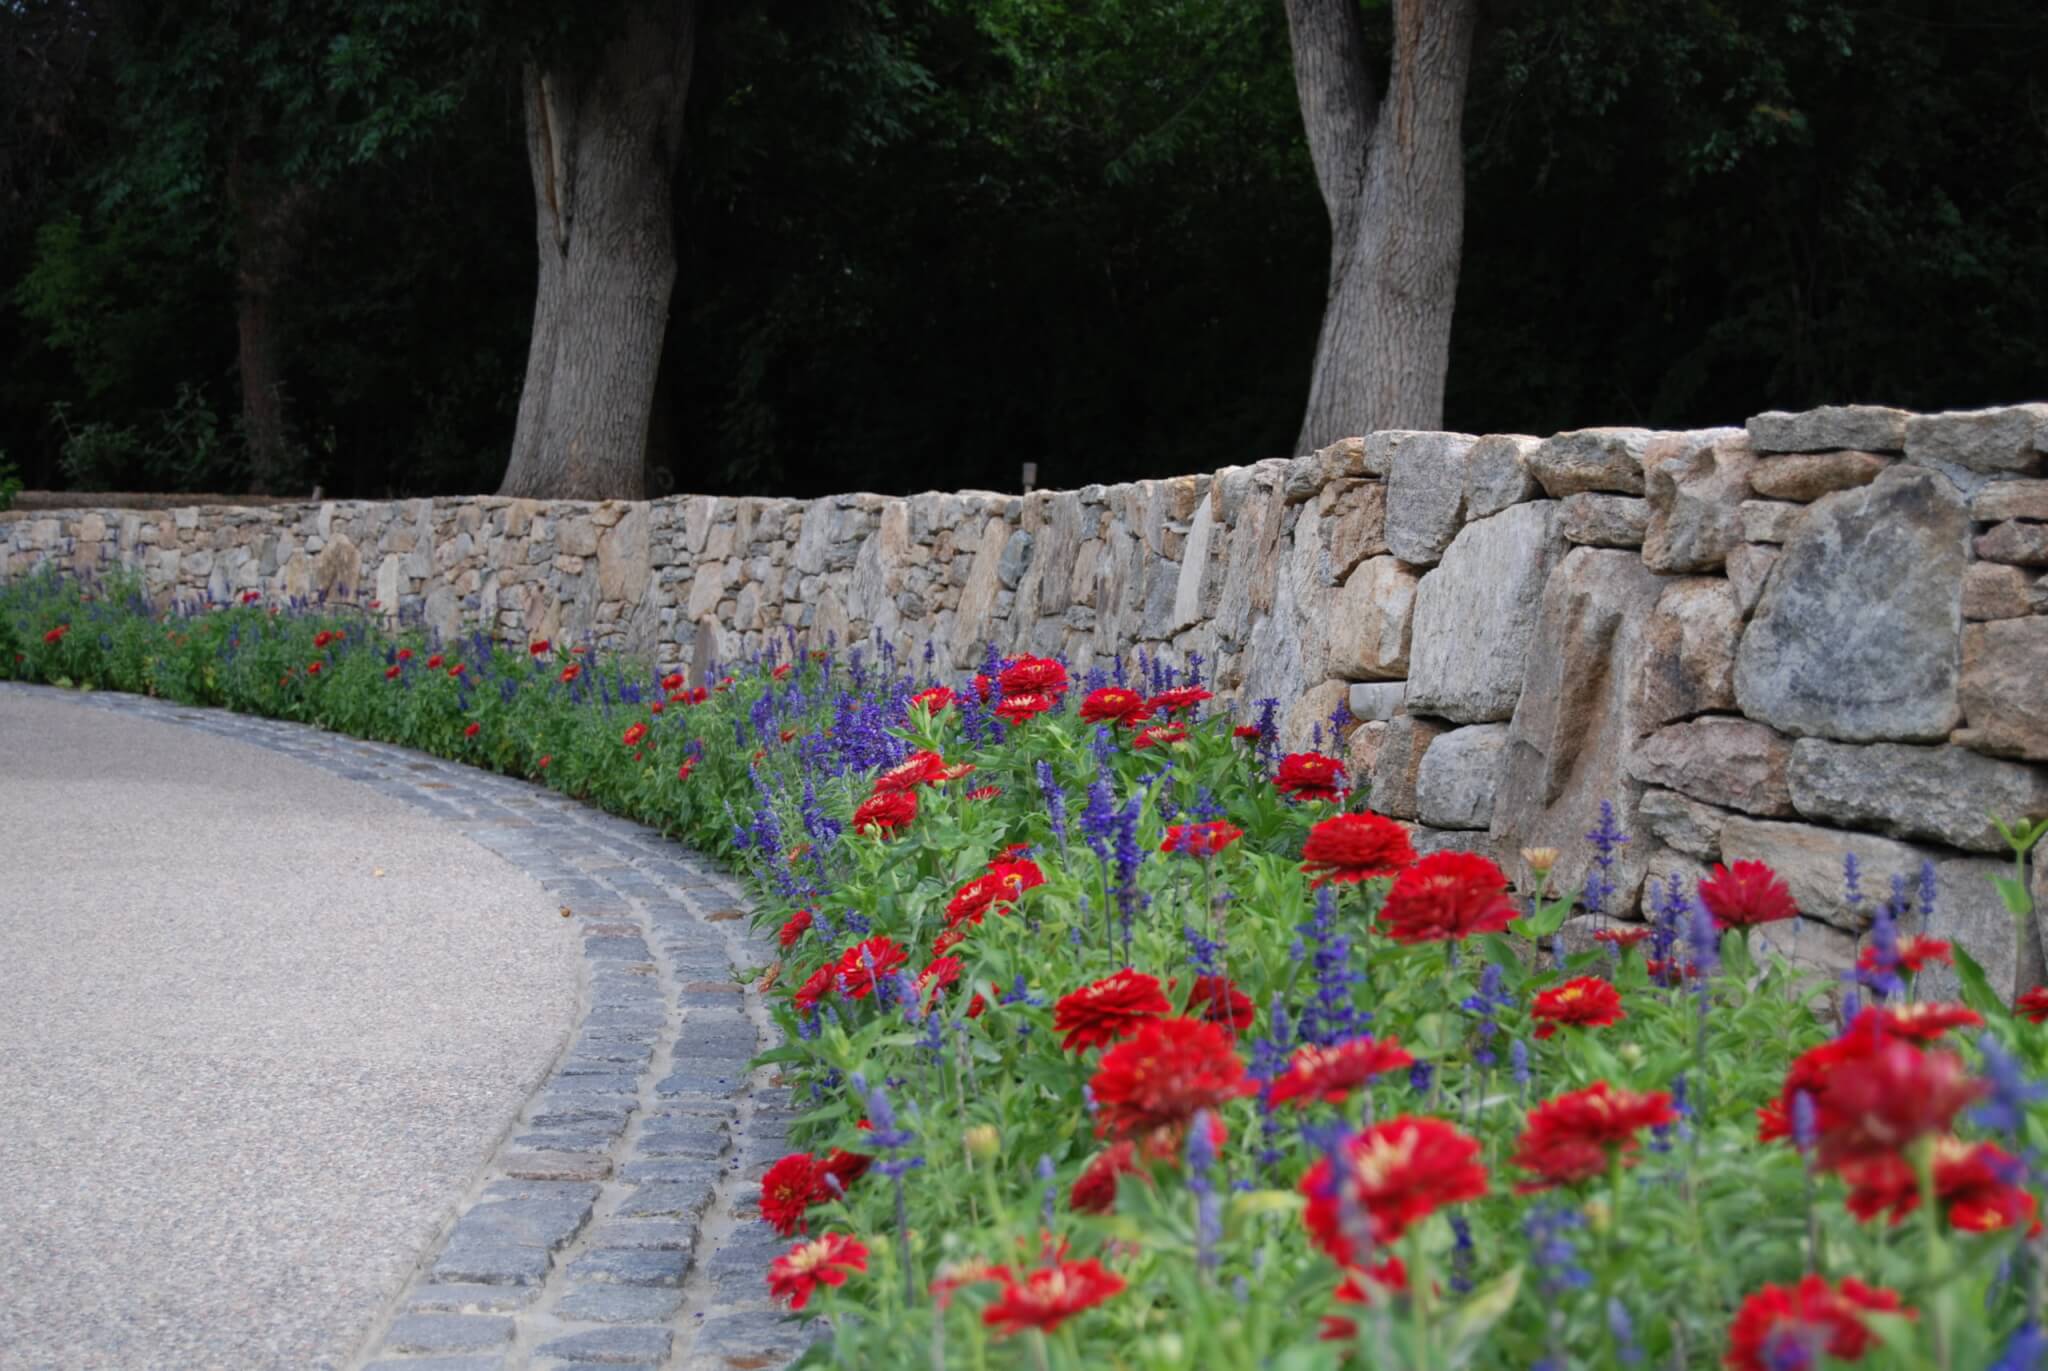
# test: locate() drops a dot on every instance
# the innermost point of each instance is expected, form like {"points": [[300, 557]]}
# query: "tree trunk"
{"points": [[602, 143], [1393, 179], [265, 229]]}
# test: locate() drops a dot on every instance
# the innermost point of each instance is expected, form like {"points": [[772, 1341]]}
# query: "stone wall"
{"points": [[1822, 632]]}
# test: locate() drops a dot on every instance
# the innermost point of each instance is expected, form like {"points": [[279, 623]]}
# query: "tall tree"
{"points": [[1392, 173], [604, 134]]}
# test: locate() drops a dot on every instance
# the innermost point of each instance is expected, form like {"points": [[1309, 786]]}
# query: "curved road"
{"points": [[260, 1029]]}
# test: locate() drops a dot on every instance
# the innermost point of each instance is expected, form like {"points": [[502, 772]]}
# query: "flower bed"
{"points": [[1128, 1041]]}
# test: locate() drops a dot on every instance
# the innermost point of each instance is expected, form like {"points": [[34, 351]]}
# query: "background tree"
{"points": [[604, 131], [1392, 172], [922, 241]]}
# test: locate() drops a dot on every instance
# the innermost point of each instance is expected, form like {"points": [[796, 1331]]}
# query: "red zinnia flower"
{"points": [[2033, 1005], [391, 673], [865, 963], [1095, 1191], [1879, 1100], [1178, 698], [1048, 1296], [1164, 1074], [312, 668], [633, 735], [789, 1188], [780, 672], [1201, 840], [1355, 847], [933, 700], [819, 984], [883, 814], [571, 672], [1912, 954], [1975, 1181], [1781, 1326], [1246, 732], [1625, 937], [405, 654], [1000, 885], [953, 1275], [472, 730], [673, 681], [1574, 1136], [250, 597], [1746, 894], [986, 792], [1587, 1002], [538, 647], [1214, 998], [1330, 1074], [1033, 676], [683, 772], [1016, 709], [1356, 1288], [546, 757], [1447, 895], [1159, 736], [434, 662], [456, 670], [797, 1273], [1925, 1021], [1400, 1172], [1114, 705], [935, 979], [654, 707], [1108, 1009], [1310, 776], [797, 925], [919, 768]]}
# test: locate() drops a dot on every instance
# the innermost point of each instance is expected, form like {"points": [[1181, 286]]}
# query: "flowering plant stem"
{"points": [[1934, 1261]]}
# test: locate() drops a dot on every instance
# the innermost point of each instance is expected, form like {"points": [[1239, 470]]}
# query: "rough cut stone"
{"points": [[1362, 749], [1749, 568], [2009, 439], [1426, 496], [1871, 427], [1724, 761], [1353, 519], [1683, 824], [2010, 500], [2016, 542], [1377, 699], [1695, 484], [1687, 665], [1855, 637], [1769, 521], [1594, 520], [1475, 612], [1991, 591], [1399, 763], [1370, 621], [1460, 771], [2004, 698], [1609, 459], [1497, 474], [1808, 476], [1940, 794], [1574, 725], [1302, 721], [1384, 447]]}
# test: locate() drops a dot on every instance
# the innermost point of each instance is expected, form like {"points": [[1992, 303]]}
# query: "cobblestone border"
{"points": [[613, 1226]]}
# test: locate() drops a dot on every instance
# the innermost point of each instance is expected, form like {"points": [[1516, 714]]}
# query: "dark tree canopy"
{"points": [[922, 241]]}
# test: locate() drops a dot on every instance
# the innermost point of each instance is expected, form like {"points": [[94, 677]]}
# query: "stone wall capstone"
{"points": [[1821, 632]]}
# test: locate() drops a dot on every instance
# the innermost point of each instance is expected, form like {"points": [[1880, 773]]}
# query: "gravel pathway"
{"points": [[235, 1131]]}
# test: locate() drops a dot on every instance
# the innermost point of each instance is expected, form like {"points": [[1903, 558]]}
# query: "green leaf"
{"points": [[1977, 991], [1471, 1321]]}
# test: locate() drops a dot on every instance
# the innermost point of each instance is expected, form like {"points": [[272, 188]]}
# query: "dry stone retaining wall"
{"points": [[1821, 632]]}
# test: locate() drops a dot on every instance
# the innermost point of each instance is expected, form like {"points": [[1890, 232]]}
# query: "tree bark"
{"points": [[602, 143], [1392, 176], [266, 221]]}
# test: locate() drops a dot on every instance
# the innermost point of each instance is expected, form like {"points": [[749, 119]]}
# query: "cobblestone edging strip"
{"points": [[615, 1225]]}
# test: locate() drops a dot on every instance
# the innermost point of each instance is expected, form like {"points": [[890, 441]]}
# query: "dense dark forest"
{"points": [[919, 242]]}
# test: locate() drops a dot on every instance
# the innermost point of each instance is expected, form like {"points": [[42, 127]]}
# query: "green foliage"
{"points": [[10, 482], [1676, 1231]]}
